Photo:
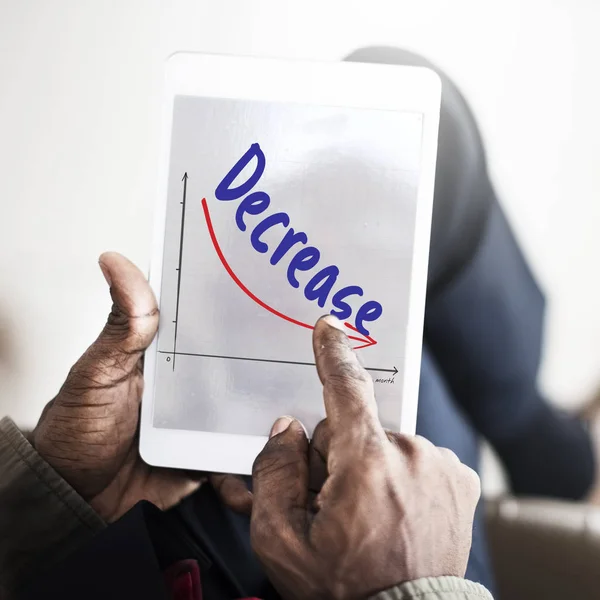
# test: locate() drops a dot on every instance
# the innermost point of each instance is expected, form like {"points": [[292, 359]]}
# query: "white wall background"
{"points": [[79, 107]]}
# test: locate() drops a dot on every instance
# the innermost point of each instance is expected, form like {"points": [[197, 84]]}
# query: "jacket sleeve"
{"points": [[436, 588], [42, 519]]}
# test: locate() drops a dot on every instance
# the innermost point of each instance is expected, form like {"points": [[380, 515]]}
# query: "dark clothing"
{"points": [[482, 341], [483, 329]]}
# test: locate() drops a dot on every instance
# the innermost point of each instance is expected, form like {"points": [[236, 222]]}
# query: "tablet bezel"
{"points": [[343, 84]]}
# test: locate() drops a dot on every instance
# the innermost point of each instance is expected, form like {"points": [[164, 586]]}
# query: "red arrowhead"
{"points": [[366, 340]]}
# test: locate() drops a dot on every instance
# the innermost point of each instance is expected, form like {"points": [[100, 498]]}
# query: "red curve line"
{"points": [[371, 342], [235, 278]]}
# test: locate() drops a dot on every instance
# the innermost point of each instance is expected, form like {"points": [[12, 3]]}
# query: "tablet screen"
{"points": [[278, 213]]}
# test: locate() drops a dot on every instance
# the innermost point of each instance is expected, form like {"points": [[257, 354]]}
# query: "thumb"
{"points": [[129, 330], [133, 321], [280, 484]]}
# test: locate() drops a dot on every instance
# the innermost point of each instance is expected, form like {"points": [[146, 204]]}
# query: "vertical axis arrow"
{"points": [[184, 179]]}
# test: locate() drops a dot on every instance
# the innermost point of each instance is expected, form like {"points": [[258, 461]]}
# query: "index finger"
{"points": [[347, 387]]}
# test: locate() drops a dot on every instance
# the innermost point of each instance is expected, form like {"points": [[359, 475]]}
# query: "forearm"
{"points": [[42, 519]]}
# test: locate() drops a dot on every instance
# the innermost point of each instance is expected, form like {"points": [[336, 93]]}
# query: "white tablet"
{"points": [[287, 190]]}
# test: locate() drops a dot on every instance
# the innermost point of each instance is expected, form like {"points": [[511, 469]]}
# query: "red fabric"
{"points": [[183, 579]]}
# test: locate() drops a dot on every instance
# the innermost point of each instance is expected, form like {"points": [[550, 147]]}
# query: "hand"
{"points": [[88, 433], [393, 508]]}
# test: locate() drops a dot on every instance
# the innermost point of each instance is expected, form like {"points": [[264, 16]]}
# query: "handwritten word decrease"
{"points": [[293, 244]]}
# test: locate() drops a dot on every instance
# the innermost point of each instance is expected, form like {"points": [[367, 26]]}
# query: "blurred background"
{"points": [[80, 104], [80, 85]]}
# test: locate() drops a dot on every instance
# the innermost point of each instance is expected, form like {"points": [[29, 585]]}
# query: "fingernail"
{"points": [[280, 426], [106, 274], [334, 322]]}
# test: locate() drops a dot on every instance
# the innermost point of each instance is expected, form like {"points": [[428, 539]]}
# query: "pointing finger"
{"points": [[347, 387]]}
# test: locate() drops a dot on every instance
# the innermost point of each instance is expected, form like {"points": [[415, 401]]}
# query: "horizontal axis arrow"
{"points": [[267, 360]]}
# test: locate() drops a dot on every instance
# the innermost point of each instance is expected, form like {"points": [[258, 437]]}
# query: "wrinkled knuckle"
{"points": [[373, 444], [82, 379], [117, 324], [349, 371], [342, 386], [276, 464], [78, 382], [136, 343], [102, 360], [425, 453], [410, 446], [266, 463], [399, 442]]}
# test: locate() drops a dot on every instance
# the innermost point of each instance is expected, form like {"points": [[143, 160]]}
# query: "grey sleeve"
{"points": [[42, 519], [436, 588]]}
